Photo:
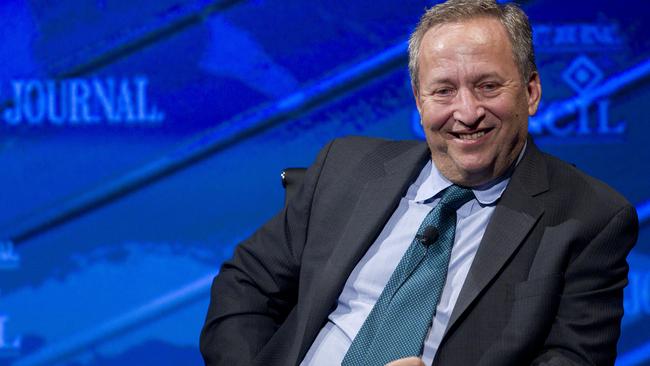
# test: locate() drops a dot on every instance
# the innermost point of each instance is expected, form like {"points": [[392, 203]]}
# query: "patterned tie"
{"points": [[400, 320]]}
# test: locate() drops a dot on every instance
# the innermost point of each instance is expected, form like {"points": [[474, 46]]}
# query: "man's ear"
{"points": [[534, 91]]}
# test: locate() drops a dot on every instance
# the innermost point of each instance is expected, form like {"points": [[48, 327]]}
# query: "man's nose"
{"points": [[468, 109]]}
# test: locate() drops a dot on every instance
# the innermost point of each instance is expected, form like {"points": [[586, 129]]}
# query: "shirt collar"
{"points": [[431, 182]]}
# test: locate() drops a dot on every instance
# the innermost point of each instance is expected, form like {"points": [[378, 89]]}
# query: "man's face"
{"points": [[472, 100]]}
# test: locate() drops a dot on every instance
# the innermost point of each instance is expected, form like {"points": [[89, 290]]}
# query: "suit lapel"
{"points": [[515, 215], [376, 203]]}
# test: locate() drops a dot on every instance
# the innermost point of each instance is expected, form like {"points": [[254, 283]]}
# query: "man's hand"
{"points": [[409, 361]]}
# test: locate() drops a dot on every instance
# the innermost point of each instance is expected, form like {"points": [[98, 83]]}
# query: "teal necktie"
{"points": [[400, 320]]}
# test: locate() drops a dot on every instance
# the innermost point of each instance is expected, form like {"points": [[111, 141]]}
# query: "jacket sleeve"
{"points": [[256, 289], [587, 325]]}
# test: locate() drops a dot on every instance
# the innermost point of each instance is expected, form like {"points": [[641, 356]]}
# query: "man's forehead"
{"points": [[480, 40], [478, 29]]}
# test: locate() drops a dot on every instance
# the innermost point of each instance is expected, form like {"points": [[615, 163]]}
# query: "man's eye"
{"points": [[443, 92], [489, 87]]}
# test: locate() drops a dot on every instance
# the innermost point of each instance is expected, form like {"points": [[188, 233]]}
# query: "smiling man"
{"points": [[473, 99], [472, 249]]}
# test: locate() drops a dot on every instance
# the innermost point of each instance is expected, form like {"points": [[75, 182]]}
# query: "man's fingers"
{"points": [[409, 361]]}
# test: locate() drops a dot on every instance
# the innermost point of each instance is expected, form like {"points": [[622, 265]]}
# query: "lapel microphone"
{"points": [[429, 236]]}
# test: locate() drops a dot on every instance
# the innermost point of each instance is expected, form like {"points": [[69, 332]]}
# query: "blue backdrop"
{"points": [[135, 137]]}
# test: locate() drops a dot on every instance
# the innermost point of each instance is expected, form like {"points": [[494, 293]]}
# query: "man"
{"points": [[368, 265]]}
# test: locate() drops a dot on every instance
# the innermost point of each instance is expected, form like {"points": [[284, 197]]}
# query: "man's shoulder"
{"points": [[370, 150], [359, 159], [365, 145], [580, 188]]}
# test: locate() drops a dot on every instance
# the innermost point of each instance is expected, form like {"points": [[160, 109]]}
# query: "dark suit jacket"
{"points": [[545, 287]]}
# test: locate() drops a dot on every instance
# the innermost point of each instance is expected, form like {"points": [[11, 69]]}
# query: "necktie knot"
{"points": [[455, 196]]}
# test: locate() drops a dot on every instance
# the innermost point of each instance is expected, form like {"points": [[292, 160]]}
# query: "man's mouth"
{"points": [[471, 135]]}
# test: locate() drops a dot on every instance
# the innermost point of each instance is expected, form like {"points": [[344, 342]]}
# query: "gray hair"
{"points": [[513, 19]]}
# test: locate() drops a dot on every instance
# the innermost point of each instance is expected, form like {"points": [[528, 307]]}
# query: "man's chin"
{"points": [[472, 175]]}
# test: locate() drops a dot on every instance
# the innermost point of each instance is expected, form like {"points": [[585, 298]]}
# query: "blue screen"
{"points": [[141, 141]]}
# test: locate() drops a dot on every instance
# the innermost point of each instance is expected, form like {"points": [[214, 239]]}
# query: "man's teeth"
{"points": [[471, 136]]}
